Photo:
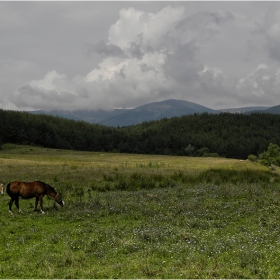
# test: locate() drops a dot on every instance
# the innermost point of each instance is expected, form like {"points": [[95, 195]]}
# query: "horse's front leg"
{"points": [[36, 204], [41, 204], [17, 205]]}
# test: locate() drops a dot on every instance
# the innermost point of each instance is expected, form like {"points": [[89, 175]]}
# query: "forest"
{"points": [[216, 135]]}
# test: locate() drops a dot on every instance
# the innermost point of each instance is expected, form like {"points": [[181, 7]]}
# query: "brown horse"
{"points": [[26, 190], [2, 189]]}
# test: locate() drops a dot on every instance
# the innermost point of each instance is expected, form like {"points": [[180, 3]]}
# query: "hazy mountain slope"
{"points": [[156, 111], [273, 110], [149, 112], [244, 109], [80, 115]]}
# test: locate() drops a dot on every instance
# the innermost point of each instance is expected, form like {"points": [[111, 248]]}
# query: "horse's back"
{"points": [[14, 185], [24, 189]]}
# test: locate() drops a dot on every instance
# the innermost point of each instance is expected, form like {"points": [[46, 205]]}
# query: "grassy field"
{"points": [[140, 216]]}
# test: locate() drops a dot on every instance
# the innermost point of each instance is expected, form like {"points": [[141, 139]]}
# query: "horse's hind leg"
{"points": [[10, 205], [17, 205]]}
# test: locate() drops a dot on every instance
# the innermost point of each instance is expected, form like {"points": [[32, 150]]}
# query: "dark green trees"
{"points": [[225, 134]]}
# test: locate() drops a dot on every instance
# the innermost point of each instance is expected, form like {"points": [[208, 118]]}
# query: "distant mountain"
{"points": [[148, 112], [156, 111], [244, 109], [80, 115], [271, 110]]}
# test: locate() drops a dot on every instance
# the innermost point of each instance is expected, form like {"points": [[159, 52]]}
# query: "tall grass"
{"points": [[164, 220]]}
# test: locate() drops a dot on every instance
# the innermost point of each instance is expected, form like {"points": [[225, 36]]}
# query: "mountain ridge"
{"points": [[148, 112], [156, 111]]}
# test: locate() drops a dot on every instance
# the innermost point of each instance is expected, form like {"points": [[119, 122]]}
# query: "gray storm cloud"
{"points": [[168, 54]]}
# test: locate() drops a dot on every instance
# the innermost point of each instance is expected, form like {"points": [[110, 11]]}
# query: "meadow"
{"points": [[140, 216]]}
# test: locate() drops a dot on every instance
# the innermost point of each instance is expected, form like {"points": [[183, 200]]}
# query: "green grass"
{"points": [[140, 216]]}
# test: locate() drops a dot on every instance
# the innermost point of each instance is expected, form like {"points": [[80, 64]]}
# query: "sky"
{"points": [[74, 55]]}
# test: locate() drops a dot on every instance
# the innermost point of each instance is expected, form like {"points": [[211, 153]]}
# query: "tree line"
{"points": [[225, 135]]}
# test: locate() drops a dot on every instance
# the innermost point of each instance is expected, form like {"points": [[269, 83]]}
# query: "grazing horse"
{"points": [[2, 189], [26, 190]]}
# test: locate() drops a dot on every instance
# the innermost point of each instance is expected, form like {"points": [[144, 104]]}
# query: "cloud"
{"points": [[271, 28], [124, 78], [106, 49], [50, 92], [13, 74], [260, 84], [144, 29], [199, 57]]}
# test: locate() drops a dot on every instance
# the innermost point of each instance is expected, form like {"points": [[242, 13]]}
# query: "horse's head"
{"points": [[59, 200], [2, 189], [52, 192]]}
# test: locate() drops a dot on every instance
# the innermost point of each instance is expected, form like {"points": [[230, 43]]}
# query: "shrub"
{"points": [[271, 156], [252, 158]]}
